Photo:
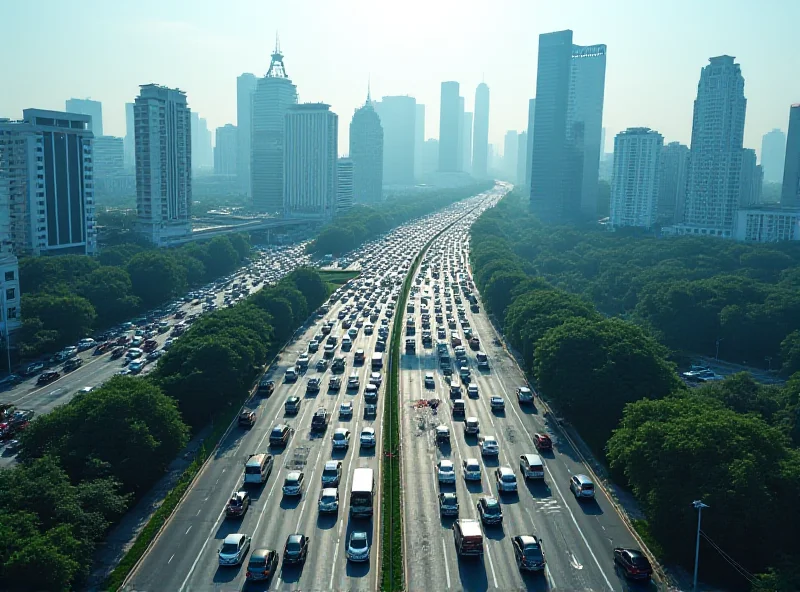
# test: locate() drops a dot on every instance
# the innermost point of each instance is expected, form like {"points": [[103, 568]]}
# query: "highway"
{"points": [[184, 556], [578, 537]]}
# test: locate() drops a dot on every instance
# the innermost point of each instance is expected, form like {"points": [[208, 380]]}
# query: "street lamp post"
{"points": [[768, 360], [698, 505], [719, 340]]}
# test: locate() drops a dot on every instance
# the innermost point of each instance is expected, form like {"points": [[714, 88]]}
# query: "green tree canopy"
{"points": [[156, 277]]}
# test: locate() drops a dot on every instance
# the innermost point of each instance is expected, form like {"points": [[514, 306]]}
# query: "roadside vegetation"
{"points": [[596, 317]]}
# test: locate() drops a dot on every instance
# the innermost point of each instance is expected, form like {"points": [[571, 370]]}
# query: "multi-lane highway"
{"points": [[185, 555], [578, 537]]}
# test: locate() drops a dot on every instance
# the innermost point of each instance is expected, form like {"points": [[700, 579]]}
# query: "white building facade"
{"points": [[635, 178], [226, 150], [763, 224], [245, 87], [344, 185]]}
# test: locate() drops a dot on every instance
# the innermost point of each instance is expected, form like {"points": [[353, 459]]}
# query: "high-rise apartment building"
{"points": [[366, 153], [529, 152], [245, 87], [312, 137], [47, 178], [344, 185], [466, 143], [419, 140], [15, 150], [109, 158], [94, 109], [275, 94], [460, 133], [202, 153], [715, 162], [773, 153], [790, 192], [163, 127], [673, 169], [634, 182], [130, 138], [510, 144], [226, 150], [751, 179], [767, 224], [522, 158], [398, 117], [480, 135], [450, 120]]}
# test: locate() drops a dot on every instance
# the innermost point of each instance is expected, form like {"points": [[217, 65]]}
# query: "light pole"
{"points": [[768, 360], [698, 505], [719, 340]]}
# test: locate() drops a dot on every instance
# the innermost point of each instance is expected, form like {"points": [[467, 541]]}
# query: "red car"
{"points": [[633, 563], [542, 441]]}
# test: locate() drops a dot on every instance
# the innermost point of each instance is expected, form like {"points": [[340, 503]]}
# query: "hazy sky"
{"points": [[103, 49]]}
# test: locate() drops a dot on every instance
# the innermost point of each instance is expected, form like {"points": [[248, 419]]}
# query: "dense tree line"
{"points": [[363, 223], [586, 310], [66, 298]]}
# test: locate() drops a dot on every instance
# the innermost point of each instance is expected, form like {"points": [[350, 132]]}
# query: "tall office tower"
{"points": [[398, 117], [715, 161], [529, 153], [273, 97], [522, 157], [673, 169], [109, 158], [309, 178], [430, 156], [14, 177], [751, 179], [567, 125], [773, 153], [163, 163], [419, 140], [480, 134], [460, 133], [466, 143], [201, 143], [46, 176], [344, 185], [226, 150], [366, 152], [245, 87], [449, 122], [490, 158], [206, 144], [790, 193], [130, 138], [602, 142], [88, 107], [634, 183], [510, 154]]}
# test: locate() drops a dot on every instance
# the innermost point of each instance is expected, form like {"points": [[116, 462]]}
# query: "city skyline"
{"points": [[209, 49]]}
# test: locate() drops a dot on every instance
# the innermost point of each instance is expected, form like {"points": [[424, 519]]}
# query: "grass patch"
{"points": [[337, 277], [642, 527]]}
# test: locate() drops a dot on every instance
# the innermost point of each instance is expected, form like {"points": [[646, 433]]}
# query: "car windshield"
{"points": [[229, 548], [293, 546], [639, 561], [235, 501], [449, 501], [257, 562], [472, 466], [509, 477], [532, 553], [329, 473], [492, 507], [358, 543], [327, 499]]}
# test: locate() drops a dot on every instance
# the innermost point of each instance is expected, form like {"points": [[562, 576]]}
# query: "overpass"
{"points": [[252, 225]]}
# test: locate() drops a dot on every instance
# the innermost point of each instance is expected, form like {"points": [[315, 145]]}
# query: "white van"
{"points": [[257, 468]]}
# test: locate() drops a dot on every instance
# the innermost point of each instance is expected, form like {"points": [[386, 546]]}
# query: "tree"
{"points": [[109, 290], [71, 317], [222, 258], [119, 255], [240, 242], [790, 353], [38, 274], [310, 284], [499, 289], [156, 277]]}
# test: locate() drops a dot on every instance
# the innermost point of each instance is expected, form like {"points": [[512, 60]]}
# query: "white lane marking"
{"points": [[170, 559], [551, 584], [188, 529], [333, 571], [573, 561], [446, 569], [310, 480], [202, 549], [198, 511], [491, 565]]}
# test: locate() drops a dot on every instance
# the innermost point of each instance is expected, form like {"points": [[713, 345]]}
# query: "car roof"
{"points": [[368, 430], [471, 461], [358, 536], [505, 470], [527, 539], [261, 553], [233, 539], [340, 431], [445, 463], [329, 491], [294, 475], [333, 464], [294, 538], [490, 500], [448, 495], [531, 458]]}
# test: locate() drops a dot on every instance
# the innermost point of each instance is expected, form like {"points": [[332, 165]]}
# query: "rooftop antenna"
{"points": [[369, 92], [276, 67]]}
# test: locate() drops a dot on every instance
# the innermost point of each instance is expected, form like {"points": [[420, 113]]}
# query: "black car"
{"points": [[633, 563], [489, 510], [262, 565], [296, 548], [72, 364], [279, 436], [48, 377], [528, 552], [320, 420]]}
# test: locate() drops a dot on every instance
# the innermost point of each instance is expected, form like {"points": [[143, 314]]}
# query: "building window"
{"points": [[11, 313], [11, 293], [9, 276]]}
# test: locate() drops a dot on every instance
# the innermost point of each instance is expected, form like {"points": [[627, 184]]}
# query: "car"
{"points": [[117, 352], [448, 504], [497, 403], [238, 504], [346, 410], [319, 422], [293, 483], [335, 383], [358, 546], [430, 381], [582, 487], [332, 473], [445, 471], [262, 565], [353, 381], [234, 549], [471, 425], [489, 510], [313, 385], [328, 500], [528, 552], [505, 478], [136, 366], [296, 548], [48, 377], [633, 563], [280, 434], [72, 364], [247, 418], [472, 389], [375, 378], [134, 353], [489, 446], [340, 438], [367, 438], [524, 394], [442, 433], [542, 441], [32, 369], [370, 410], [154, 355], [290, 375], [322, 365], [292, 405], [472, 469]]}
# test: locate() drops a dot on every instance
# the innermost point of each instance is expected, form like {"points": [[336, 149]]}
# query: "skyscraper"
{"points": [[480, 135], [366, 153], [751, 178], [108, 160], [273, 97], [344, 185], [130, 138], [46, 178], [466, 143], [202, 155], [245, 87], [163, 130], [529, 153], [673, 169], [460, 133], [398, 117], [715, 161], [450, 120], [419, 140], [226, 150], [773, 153], [309, 179], [88, 107], [790, 193], [430, 156], [568, 116], [510, 154], [634, 183], [522, 158]]}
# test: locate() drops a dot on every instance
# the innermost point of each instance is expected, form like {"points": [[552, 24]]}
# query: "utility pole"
{"points": [[768, 359], [719, 340], [698, 505]]}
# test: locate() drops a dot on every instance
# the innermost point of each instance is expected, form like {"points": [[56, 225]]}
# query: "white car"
{"points": [[367, 438], [358, 546], [329, 500], [234, 549], [445, 471], [375, 378], [293, 484], [506, 479], [472, 469], [341, 438], [489, 446], [346, 409], [472, 389]]}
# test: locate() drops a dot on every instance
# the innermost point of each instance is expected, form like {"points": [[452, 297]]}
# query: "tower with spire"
{"points": [[274, 95], [366, 152]]}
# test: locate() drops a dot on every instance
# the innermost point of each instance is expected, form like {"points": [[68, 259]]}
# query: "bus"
{"points": [[362, 493]]}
